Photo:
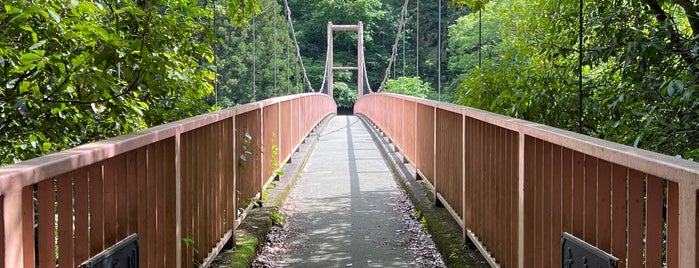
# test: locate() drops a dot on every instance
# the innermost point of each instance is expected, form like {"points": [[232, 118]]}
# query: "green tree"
{"points": [[344, 96], [639, 72], [79, 71], [412, 86], [271, 56]]}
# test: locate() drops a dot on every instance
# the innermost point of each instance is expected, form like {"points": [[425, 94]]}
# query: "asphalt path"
{"points": [[345, 204]]}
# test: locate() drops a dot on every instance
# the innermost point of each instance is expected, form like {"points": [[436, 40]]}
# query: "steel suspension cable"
{"points": [[366, 79], [405, 38], [439, 53], [274, 19], [480, 36], [298, 50], [394, 51], [213, 3], [580, 63], [417, 39], [288, 67], [254, 61], [325, 71]]}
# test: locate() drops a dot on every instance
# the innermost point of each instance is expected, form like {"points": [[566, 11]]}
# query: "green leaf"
{"points": [[54, 16], [10, 10], [47, 146], [674, 86], [187, 241], [24, 87], [28, 58], [37, 45]]}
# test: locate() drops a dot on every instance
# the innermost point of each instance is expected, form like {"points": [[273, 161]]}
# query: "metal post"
{"points": [[330, 59], [360, 60]]}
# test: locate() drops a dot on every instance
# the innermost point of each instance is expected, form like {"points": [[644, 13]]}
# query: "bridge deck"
{"points": [[346, 203]]}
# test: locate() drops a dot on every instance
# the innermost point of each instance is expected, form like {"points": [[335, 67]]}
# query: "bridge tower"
{"points": [[360, 56]]}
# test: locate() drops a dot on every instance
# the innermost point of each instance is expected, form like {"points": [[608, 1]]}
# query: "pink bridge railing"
{"points": [[515, 186], [177, 185]]}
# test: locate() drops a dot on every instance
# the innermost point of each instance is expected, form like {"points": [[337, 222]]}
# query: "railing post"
{"points": [[415, 138], [178, 198], [234, 199], [687, 224], [13, 225], [434, 152], [261, 123], [520, 202], [463, 178]]}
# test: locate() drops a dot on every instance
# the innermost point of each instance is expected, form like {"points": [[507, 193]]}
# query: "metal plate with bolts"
{"points": [[123, 254], [578, 253]]}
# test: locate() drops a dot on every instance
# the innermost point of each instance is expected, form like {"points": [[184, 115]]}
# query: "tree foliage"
{"points": [[78, 71], [639, 63], [344, 96], [412, 86]]}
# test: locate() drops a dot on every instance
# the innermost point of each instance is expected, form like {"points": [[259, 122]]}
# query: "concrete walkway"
{"points": [[345, 204]]}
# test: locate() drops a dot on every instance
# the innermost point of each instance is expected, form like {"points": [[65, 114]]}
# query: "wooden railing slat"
{"points": [[619, 208], [82, 232], [590, 192], [110, 202], [604, 205], [654, 221], [530, 218], [97, 222], [557, 203], [151, 244], [46, 233], [122, 198], [578, 194], [169, 208], [636, 221], [132, 167], [143, 193], [64, 198], [673, 225]]}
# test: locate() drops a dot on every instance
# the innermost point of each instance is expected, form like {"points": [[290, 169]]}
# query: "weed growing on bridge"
{"points": [[423, 220], [257, 201], [188, 242], [278, 218], [246, 150], [275, 162]]}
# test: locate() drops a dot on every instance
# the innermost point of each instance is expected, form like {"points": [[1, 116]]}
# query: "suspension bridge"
{"points": [[514, 187]]}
